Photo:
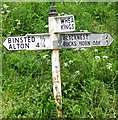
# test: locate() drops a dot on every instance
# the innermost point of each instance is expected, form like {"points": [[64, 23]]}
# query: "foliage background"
{"points": [[89, 76]]}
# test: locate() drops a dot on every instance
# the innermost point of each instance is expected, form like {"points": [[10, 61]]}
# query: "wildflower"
{"points": [[116, 71], [66, 64], [46, 26], [76, 49], [77, 72], [109, 66], [84, 31], [18, 23], [2, 12], [96, 50], [8, 11], [9, 32], [45, 56], [13, 28], [73, 76], [70, 61], [105, 57], [5, 6], [62, 13], [16, 20], [48, 61], [83, 49], [97, 57]]}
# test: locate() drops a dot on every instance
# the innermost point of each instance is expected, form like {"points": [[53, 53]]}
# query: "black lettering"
{"points": [[99, 42], [14, 46], [72, 26], [66, 27], [69, 26], [10, 46], [62, 21], [84, 43], [37, 45], [28, 38], [44, 45], [67, 37], [21, 40], [26, 45], [80, 42], [69, 43], [96, 42], [18, 45], [64, 43], [106, 36], [66, 20], [93, 42], [16, 40], [87, 36], [62, 37], [33, 39], [9, 40], [78, 37], [41, 44], [70, 37], [25, 39], [83, 37], [22, 46], [62, 27], [74, 43], [72, 20], [107, 42], [69, 20]]}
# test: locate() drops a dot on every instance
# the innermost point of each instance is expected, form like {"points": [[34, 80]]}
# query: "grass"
{"points": [[89, 76]]}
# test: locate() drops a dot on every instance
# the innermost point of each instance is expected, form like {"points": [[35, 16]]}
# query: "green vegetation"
{"points": [[89, 76]]}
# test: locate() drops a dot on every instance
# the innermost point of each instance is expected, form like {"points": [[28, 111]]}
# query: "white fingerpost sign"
{"points": [[64, 23], [29, 42], [83, 39], [60, 36]]}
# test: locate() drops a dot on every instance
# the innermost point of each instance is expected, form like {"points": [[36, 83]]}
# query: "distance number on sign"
{"points": [[41, 42]]}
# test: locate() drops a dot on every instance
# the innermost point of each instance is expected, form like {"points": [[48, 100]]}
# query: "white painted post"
{"points": [[55, 63]]}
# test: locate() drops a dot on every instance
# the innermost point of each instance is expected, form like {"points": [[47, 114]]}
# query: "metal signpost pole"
{"points": [[55, 63]]}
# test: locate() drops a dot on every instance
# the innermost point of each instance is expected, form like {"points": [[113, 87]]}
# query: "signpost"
{"points": [[29, 42], [64, 23], [82, 39], [55, 64], [60, 36]]}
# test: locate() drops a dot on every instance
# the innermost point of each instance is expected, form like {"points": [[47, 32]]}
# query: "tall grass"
{"points": [[89, 76]]}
